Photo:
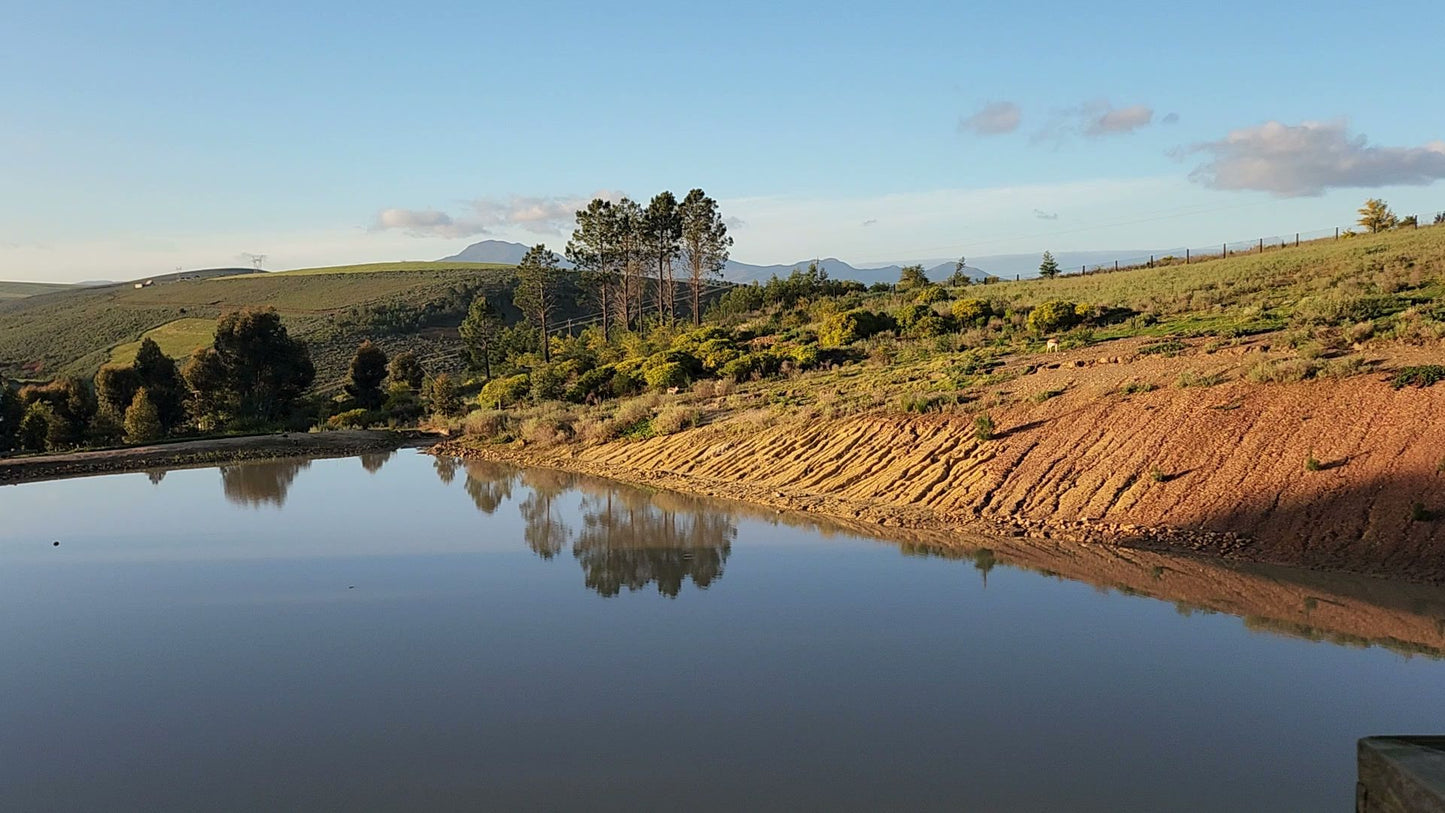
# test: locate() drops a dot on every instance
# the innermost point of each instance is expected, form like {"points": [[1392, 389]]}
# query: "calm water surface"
{"points": [[394, 632]]}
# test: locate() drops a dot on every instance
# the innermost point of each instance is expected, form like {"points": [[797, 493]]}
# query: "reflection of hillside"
{"points": [[1342, 609], [627, 540], [256, 484]]}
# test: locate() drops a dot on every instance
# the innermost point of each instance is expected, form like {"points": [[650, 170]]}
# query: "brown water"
{"points": [[398, 632]]}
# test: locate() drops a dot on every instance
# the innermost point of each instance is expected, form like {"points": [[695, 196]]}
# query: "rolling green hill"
{"points": [[417, 305], [21, 290]]}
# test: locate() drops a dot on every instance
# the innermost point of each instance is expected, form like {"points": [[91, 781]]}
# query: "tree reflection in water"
{"points": [[374, 461], [489, 484], [632, 539], [446, 468], [628, 538], [262, 482]]}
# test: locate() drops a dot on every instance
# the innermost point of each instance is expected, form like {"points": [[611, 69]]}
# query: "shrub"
{"points": [[1421, 376], [910, 315], [842, 329], [930, 326], [353, 419], [1313, 464], [972, 311], [1284, 372], [545, 430], [930, 295], [1051, 317], [983, 428], [1194, 378], [666, 375], [673, 419], [506, 391], [486, 423], [1341, 309], [805, 356]]}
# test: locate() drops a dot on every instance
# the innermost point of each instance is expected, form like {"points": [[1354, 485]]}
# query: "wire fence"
{"points": [[1258, 245]]}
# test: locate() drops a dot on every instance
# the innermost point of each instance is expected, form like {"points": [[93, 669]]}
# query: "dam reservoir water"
{"points": [[397, 632]]}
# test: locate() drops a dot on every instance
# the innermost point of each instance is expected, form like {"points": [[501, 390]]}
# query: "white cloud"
{"points": [[1042, 215], [995, 118], [1307, 159], [535, 215]]}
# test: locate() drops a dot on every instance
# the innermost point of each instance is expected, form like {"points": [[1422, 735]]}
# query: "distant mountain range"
{"points": [[1001, 265]]}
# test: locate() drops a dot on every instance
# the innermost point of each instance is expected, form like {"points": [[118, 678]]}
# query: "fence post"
{"points": [[1151, 260], [1416, 221], [1186, 256], [1296, 239], [1224, 251], [1261, 245], [1337, 232]]}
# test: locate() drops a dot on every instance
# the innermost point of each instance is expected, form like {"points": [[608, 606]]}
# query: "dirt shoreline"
{"points": [[1220, 473], [206, 452]]}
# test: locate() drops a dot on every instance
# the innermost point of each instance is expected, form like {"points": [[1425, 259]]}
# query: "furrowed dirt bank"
{"points": [[206, 452], [1218, 470]]}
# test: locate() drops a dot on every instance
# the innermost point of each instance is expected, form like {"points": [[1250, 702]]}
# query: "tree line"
{"points": [[630, 262]]}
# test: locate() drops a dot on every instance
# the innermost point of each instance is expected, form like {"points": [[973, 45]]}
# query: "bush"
{"points": [[805, 356], [931, 295], [506, 391], [486, 423], [842, 329], [1421, 376], [674, 419], [666, 375], [1342, 309], [353, 419], [975, 312], [1051, 317], [983, 428], [929, 327], [1284, 372]]}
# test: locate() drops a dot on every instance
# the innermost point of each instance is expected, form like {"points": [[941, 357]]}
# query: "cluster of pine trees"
{"points": [[632, 264]]}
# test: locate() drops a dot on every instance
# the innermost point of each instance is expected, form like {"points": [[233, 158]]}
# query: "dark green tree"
{"points": [[705, 244], [479, 333], [115, 388], [661, 238], [157, 372], [36, 427], [911, 277], [72, 407], [253, 371], [1049, 268], [368, 371], [12, 411], [538, 291], [142, 419], [441, 394], [406, 368]]}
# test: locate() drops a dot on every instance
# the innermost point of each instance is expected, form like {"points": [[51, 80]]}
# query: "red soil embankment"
{"points": [[1219, 470]]}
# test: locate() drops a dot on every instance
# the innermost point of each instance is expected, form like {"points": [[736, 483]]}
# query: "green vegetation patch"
{"points": [[1421, 376]]}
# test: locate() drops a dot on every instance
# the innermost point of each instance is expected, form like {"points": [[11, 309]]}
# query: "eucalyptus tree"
{"points": [[662, 237], [705, 244], [538, 293]]}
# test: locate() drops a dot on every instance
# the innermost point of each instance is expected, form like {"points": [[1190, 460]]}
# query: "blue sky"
{"points": [[140, 137]]}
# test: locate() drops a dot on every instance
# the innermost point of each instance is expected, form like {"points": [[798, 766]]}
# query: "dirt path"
{"points": [[200, 453]]}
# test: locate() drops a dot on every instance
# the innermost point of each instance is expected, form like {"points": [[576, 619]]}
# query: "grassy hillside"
{"points": [[20, 290], [176, 339], [74, 331], [374, 268]]}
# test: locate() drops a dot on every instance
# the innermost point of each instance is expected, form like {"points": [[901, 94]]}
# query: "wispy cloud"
{"points": [[537, 215], [872, 221], [1307, 159], [1172, 118], [996, 118], [1042, 215], [1094, 119]]}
